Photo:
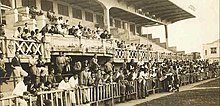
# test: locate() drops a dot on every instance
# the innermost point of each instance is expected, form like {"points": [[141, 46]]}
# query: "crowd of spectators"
{"points": [[133, 46], [57, 25], [65, 73]]}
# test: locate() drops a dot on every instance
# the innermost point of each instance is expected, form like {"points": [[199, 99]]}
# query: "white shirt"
{"points": [[73, 82], [141, 75], [134, 76], [20, 88], [64, 85]]}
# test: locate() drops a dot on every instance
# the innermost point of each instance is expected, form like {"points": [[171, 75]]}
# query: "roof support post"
{"points": [[166, 35], [0, 12], [107, 18], [12, 4], [38, 4], [18, 3]]}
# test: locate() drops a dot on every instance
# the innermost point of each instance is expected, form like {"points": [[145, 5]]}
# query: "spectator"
{"points": [[72, 30], [93, 65], [44, 30], [26, 27], [77, 67], [51, 77], [37, 36], [35, 73], [50, 15], [18, 33], [2, 30], [84, 74], [21, 91], [26, 35], [65, 85], [60, 62], [3, 72], [104, 35], [17, 69]]}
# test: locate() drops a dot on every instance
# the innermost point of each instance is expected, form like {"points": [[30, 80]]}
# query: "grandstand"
{"points": [[123, 19]]}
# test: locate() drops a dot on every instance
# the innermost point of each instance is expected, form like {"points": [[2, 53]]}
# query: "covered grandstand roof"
{"points": [[163, 9]]}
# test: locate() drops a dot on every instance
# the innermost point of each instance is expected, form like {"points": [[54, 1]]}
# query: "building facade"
{"points": [[211, 51]]}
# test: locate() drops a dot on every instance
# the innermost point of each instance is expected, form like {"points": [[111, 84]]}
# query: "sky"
{"points": [[190, 34]]}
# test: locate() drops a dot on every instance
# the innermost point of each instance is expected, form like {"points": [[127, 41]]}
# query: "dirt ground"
{"points": [[199, 97]]}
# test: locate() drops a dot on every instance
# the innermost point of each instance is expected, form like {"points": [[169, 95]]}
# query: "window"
{"points": [[124, 25], [213, 50], [6, 2], [100, 20], [29, 3], [139, 30], [46, 5], [111, 22], [205, 52], [3, 17], [63, 10], [89, 16], [77, 13], [117, 24], [132, 28]]}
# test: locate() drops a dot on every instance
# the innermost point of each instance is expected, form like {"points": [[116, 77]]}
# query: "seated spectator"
{"points": [[66, 24], [33, 12], [51, 16], [104, 35], [26, 27], [18, 33], [89, 33], [72, 30], [84, 32], [26, 35]]}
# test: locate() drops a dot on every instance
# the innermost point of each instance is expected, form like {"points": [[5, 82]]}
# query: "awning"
{"points": [[132, 17], [163, 9]]}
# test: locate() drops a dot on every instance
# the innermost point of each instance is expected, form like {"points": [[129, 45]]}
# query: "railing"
{"points": [[137, 55], [100, 93], [71, 44]]}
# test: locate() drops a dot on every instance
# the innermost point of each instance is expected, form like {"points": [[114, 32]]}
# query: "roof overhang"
{"points": [[133, 17], [163, 9]]}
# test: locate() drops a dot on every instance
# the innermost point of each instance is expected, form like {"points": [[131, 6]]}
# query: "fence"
{"points": [[100, 93]]}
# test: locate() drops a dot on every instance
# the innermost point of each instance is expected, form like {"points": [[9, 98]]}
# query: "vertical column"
{"points": [[166, 35], [55, 6], [135, 29], [70, 11], [107, 18], [38, 4], [0, 12], [12, 4], [18, 3]]}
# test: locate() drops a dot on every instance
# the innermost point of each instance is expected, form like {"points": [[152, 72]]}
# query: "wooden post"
{"points": [[0, 12]]}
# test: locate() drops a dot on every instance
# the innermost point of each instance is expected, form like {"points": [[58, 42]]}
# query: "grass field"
{"points": [[199, 97]]}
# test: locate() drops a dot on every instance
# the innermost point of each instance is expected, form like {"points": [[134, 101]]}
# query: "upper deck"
{"points": [[123, 18]]}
